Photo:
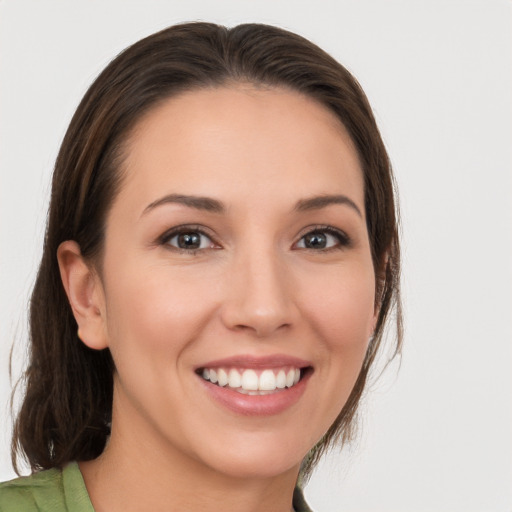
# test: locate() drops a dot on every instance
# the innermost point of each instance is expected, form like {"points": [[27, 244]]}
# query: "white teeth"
{"points": [[248, 382], [222, 377], [290, 377], [267, 381], [235, 381], [281, 380]]}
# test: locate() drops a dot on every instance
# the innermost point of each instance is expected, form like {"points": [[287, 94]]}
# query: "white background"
{"points": [[438, 435]]}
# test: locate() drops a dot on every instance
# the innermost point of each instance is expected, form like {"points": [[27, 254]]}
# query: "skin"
{"points": [[253, 288]]}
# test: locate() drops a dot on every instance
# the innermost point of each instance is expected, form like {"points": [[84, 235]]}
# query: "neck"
{"points": [[134, 474]]}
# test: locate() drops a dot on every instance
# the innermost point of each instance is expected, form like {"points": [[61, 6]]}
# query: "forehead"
{"points": [[240, 141]]}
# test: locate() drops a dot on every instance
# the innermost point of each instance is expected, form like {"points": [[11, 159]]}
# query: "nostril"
{"points": [[261, 327]]}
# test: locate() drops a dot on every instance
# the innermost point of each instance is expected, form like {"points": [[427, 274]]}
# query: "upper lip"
{"points": [[250, 361]]}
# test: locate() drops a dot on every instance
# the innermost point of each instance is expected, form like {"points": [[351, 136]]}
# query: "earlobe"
{"points": [[85, 294]]}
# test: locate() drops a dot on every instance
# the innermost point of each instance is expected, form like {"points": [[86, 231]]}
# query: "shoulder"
{"points": [[32, 492], [55, 490]]}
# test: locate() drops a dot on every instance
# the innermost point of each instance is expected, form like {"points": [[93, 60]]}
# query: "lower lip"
{"points": [[256, 405]]}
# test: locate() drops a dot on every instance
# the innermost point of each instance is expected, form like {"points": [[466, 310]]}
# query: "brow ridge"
{"points": [[213, 205], [199, 203], [318, 202]]}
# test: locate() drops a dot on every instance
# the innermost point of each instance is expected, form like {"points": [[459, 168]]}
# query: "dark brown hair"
{"points": [[67, 407]]}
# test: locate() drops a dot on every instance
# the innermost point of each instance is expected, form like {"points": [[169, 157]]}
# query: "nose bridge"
{"points": [[260, 296]]}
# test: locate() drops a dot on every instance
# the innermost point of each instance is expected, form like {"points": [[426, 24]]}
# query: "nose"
{"points": [[260, 295]]}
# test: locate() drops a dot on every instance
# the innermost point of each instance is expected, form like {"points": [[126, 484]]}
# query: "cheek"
{"points": [[153, 319], [340, 318], [344, 312], [155, 309], [343, 319]]}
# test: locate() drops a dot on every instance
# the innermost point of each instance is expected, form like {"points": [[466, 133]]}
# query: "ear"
{"points": [[85, 294]]}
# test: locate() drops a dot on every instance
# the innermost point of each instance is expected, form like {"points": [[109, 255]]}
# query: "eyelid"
{"points": [[344, 239], [164, 238]]}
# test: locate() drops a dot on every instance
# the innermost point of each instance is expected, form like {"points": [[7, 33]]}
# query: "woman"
{"points": [[220, 261]]}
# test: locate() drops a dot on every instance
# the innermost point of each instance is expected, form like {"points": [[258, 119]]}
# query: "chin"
{"points": [[259, 459], [261, 468]]}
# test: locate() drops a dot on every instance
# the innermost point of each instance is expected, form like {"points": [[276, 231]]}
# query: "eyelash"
{"points": [[343, 239], [181, 230]]}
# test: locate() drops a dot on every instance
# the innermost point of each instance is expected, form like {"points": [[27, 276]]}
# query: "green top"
{"points": [[53, 490], [56, 490]]}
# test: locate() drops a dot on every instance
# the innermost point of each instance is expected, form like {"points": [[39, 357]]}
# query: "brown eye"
{"points": [[315, 241], [323, 239], [190, 240]]}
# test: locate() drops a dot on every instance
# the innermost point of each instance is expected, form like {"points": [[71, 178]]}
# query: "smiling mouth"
{"points": [[249, 381]]}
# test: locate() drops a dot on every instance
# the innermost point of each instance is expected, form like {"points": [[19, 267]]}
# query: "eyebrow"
{"points": [[213, 205], [199, 203], [318, 202]]}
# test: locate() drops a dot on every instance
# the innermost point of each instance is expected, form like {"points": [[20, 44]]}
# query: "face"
{"points": [[237, 281]]}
